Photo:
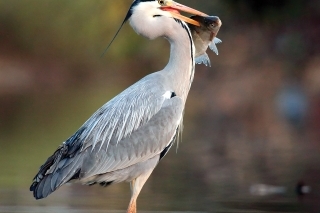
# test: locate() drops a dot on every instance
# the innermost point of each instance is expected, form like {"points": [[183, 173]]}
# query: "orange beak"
{"points": [[174, 8]]}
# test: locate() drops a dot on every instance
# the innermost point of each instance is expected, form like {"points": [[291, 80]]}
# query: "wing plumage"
{"points": [[133, 127], [144, 143]]}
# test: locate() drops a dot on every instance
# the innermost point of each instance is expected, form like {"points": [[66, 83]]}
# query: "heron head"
{"points": [[145, 16], [169, 8], [151, 18]]}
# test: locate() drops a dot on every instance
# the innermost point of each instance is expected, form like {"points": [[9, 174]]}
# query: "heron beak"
{"points": [[174, 8]]}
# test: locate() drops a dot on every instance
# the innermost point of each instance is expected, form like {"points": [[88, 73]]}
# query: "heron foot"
{"points": [[136, 186], [132, 208]]}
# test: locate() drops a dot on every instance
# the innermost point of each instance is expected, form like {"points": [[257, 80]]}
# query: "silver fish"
{"points": [[204, 37]]}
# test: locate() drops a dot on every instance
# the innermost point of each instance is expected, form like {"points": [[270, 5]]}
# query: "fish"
{"points": [[204, 36]]}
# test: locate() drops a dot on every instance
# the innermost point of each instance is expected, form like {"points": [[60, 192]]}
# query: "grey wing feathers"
{"points": [[144, 143], [48, 177], [130, 128], [122, 115]]}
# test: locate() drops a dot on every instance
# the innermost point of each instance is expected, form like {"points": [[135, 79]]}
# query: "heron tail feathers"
{"points": [[56, 171], [61, 167]]}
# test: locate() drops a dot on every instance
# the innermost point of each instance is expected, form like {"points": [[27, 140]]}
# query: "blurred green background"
{"points": [[252, 122]]}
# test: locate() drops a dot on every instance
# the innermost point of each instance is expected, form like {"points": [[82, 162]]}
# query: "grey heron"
{"points": [[125, 139]]}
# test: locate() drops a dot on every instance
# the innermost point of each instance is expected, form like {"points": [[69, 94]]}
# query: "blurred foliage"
{"points": [[80, 30], [66, 28], [65, 23]]}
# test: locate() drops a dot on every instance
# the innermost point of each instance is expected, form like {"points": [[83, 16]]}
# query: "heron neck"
{"points": [[181, 63]]}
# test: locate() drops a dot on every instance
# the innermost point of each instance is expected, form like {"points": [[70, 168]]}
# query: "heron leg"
{"points": [[136, 186]]}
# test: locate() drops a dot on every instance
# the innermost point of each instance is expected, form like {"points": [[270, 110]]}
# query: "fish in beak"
{"points": [[204, 37], [175, 8]]}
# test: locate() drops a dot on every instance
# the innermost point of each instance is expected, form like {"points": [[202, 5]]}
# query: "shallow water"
{"points": [[179, 183], [27, 209], [82, 199]]}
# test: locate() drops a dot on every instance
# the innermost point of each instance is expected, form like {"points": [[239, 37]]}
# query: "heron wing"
{"points": [[142, 144], [125, 113], [132, 127]]}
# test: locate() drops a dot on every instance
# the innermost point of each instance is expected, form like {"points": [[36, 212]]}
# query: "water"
{"points": [[186, 181], [83, 199]]}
